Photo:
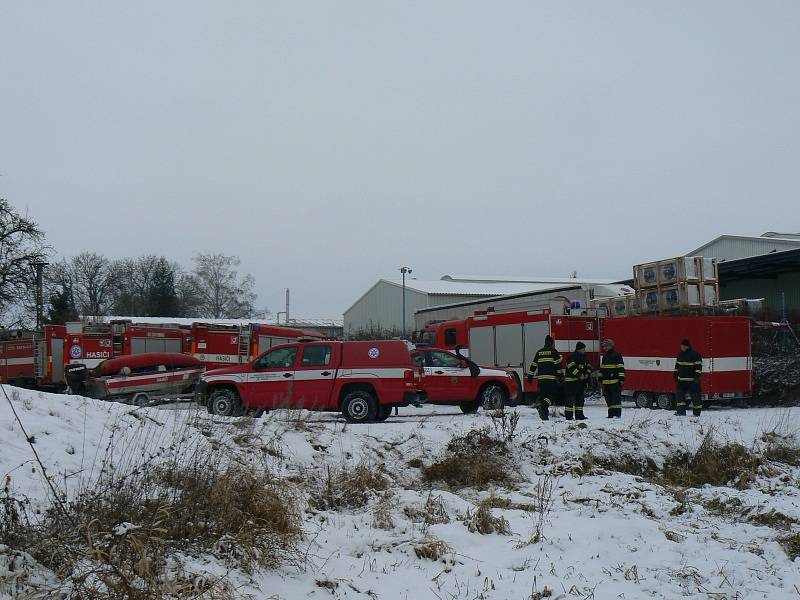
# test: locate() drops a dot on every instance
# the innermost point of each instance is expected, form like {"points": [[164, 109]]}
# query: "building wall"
{"points": [[733, 248], [768, 288], [382, 307]]}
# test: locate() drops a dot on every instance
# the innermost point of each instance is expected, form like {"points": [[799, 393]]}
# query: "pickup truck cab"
{"points": [[363, 380], [453, 379]]}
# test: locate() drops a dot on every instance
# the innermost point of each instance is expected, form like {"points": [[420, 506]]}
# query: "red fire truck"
{"points": [[649, 346], [33, 359], [510, 340], [222, 345], [37, 359]]}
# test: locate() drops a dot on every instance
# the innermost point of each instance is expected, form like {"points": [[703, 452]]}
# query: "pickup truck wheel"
{"points": [[383, 412], [360, 407], [469, 408], [493, 397], [225, 403]]}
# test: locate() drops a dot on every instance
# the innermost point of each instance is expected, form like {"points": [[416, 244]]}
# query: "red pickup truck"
{"points": [[363, 380], [452, 379]]}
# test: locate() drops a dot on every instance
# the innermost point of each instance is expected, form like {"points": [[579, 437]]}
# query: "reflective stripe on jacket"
{"points": [[548, 364], [612, 368], [688, 366]]}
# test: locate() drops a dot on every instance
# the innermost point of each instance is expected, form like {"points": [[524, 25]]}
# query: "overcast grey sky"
{"points": [[329, 143]]}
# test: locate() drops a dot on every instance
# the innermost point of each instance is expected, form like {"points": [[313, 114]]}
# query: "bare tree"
{"points": [[21, 246], [93, 282], [221, 292]]}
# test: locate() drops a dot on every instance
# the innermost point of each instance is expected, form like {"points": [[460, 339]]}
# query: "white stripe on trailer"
{"points": [[710, 365], [159, 376]]}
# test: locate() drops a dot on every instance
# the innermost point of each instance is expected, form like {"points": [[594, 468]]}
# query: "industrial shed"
{"points": [[774, 277], [381, 306], [734, 247]]}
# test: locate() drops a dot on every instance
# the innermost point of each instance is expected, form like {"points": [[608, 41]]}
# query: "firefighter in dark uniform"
{"points": [[612, 377], [688, 370], [576, 375], [547, 362]]}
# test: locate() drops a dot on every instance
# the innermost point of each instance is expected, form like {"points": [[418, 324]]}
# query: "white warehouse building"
{"points": [[381, 306]]}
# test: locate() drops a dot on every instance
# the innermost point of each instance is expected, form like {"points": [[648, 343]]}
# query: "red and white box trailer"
{"points": [[650, 345]]}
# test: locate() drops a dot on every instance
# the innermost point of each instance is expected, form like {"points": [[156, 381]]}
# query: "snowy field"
{"points": [[605, 534]]}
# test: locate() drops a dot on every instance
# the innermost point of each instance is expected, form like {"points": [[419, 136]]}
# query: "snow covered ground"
{"points": [[608, 535]]}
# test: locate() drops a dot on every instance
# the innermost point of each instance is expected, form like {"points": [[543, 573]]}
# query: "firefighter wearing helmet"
{"points": [[612, 377], [688, 370], [576, 375], [547, 362]]}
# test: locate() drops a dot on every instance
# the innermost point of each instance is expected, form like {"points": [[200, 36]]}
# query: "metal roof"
{"points": [[528, 279], [186, 321], [444, 287], [764, 240]]}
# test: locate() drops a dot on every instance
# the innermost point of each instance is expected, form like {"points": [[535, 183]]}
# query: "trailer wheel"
{"points": [[665, 401], [643, 400], [493, 397], [225, 403], [360, 406], [140, 399]]}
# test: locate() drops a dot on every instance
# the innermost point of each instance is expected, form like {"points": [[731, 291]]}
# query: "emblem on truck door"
{"points": [[374, 352]]}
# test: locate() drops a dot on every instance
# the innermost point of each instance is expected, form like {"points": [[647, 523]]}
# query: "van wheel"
{"points": [[225, 403], [383, 412], [643, 400], [493, 397], [468, 408], [360, 407]]}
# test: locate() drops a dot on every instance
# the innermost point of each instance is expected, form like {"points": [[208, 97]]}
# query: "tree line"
{"points": [[91, 284]]}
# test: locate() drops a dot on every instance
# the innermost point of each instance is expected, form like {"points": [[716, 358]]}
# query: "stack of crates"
{"points": [[685, 284], [617, 306]]}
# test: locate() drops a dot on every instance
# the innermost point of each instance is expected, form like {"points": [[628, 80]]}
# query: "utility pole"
{"points": [[403, 271], [38, 269]]}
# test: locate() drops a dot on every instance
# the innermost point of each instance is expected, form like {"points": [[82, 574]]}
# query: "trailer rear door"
{"points": [[729, 363]]}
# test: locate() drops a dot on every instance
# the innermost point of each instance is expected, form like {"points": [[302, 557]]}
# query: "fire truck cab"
{"points": [[363, 380]]}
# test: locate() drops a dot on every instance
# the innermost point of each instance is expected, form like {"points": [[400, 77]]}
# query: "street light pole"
{"points": [[38, 269], [403, 271]]}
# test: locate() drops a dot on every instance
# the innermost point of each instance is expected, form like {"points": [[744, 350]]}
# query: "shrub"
{"points": [[122, 537], [791, 544], [712, 463], [431, 548], [348, 487], [484, 522], [474, 459]]}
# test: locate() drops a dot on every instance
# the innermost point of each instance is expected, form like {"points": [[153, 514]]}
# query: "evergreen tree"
{"points": [[62, 307], [162, 299]]}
